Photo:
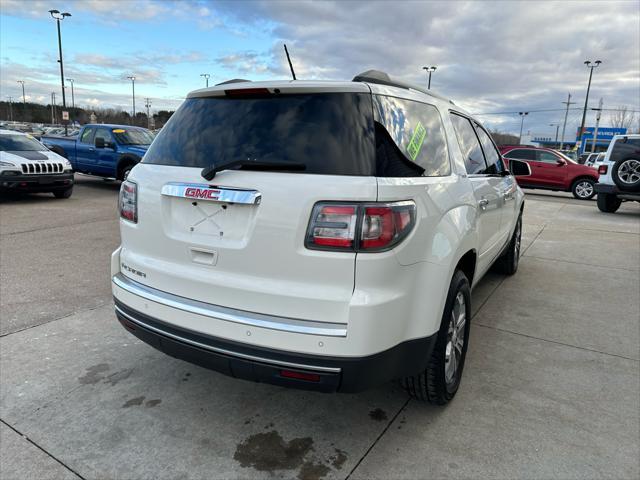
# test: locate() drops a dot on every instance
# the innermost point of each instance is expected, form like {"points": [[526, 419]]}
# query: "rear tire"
{"points": [[510, 259], [583, 188], [63, 193], [440, 380], [608, 203], [626, 174]]}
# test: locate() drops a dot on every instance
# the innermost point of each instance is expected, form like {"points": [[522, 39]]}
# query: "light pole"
{"points": [[522, 115], [10, 109], [206, 77], [590, 66], [429, 70], [557, 125], [133, 96], [57, 16], [53, 108], [73, 99], [595, 133]]}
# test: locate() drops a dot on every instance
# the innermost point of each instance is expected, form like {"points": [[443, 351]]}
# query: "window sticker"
{"points": [[417, 139], [118, 130]]}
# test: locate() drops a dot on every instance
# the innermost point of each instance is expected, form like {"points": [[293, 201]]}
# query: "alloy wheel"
{"points": [[455, 339], [629, 172], [518, 242], [584, 189]]}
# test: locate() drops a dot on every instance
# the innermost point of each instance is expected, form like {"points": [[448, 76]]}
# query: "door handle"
{"points": [[483, 204], [91, 149]]}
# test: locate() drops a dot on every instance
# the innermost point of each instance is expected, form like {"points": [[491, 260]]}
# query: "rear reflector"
{"points": [[309, 377], [359, 226], [602, 169], [128, 201]]}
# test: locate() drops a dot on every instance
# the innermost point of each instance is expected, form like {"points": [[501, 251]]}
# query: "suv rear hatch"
{"points": [[238, 240]]}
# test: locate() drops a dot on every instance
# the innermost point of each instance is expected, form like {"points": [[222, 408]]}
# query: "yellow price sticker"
{"points": [[118, 130]]}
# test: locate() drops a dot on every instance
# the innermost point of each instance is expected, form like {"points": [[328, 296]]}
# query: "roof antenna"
{"points": [[293, 74]]}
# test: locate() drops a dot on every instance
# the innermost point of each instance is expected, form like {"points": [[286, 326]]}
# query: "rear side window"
{"points": [[87, 135], [331, 133], [625, 148], [546, 157], [410, 139], [469, 145], [491, 155], [521, 154]]}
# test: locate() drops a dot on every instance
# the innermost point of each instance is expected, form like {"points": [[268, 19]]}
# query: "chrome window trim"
{"points": [[220, 194], [292, 325], [227, 352]]}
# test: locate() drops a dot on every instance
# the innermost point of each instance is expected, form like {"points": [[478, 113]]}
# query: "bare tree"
{"points": [[621, 117]]}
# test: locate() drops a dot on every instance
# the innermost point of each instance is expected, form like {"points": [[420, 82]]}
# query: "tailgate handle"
{"points": [[212, 193], [203, 256]]}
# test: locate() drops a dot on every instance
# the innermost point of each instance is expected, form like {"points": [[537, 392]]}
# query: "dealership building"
{"points": [[605, 134]]}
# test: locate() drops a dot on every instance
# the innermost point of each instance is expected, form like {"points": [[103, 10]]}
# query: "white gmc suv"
{"points": [[320, 235]]}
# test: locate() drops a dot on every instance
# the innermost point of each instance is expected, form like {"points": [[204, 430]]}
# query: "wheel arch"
{"points": [[124, 161]]}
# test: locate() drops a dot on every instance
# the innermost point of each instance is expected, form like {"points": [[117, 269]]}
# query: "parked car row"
{"points": [[551, 170], [28, 165]]}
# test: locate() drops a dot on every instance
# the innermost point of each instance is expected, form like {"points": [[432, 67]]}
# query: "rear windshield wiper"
{"points": [[210, 172]]}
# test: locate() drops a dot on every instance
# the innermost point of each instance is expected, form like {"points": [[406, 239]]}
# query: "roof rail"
{"points": [[383, 78], [233, 80]]}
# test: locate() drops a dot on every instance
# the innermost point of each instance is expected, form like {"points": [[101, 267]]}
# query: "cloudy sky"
{"points": [[491, 56]]}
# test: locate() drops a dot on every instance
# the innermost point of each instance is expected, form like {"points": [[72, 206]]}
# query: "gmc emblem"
{"points": [[204, 193]]}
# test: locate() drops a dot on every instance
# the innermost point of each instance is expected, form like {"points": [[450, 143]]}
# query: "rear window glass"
{"points": [[625, 148], [411, 142], [330, 133]]}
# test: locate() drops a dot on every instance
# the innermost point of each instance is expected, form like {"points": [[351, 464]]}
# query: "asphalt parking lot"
{"points": [[551, 387]]}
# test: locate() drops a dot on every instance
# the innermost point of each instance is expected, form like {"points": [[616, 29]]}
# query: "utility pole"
{"points": [[10, 109], [148, 105], [566, 113], [595, 133]]}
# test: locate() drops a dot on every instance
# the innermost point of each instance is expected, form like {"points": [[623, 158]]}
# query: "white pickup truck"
{"points": [[27, 166]]}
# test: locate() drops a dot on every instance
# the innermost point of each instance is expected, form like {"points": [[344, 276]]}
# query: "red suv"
{"points": [[550, 170]]}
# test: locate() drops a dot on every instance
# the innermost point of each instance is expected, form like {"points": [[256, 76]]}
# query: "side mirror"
{"points": [[519, 168], [561, 162], [99, 142]]}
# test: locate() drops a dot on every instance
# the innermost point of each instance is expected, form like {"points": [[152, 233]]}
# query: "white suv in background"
{"points": [[619, 173], [320, 235]]}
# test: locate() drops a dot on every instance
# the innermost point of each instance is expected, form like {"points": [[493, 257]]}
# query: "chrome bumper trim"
{"points": [[223, 351], [292, 325]]}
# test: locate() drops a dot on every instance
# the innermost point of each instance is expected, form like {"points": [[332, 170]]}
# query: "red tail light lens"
{"points": [[363, 227], [333, 226], [602, 169], [128, 201]]}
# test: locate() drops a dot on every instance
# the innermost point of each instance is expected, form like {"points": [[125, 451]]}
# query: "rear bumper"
{"points": [[36, 183], [249, 362], [614, 190]]}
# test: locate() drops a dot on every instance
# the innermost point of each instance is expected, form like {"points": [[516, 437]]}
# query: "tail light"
{"points": [[602, 169], [128, 201], [360, 227]]}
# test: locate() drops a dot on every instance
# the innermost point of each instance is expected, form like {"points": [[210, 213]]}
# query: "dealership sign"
{"points": [[604, 133]]}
